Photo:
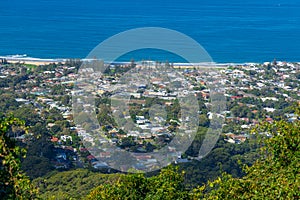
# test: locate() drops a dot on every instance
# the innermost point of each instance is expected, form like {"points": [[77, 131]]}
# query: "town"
{"points": [[44, 97]]}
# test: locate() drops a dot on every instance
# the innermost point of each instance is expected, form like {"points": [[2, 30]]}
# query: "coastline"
{"points": [[23, 59]]}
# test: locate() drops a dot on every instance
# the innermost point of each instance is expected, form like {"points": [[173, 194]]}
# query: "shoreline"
{"points": [[31, 61], [40, 61]]}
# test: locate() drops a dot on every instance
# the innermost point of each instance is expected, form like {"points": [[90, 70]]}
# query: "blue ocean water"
{"points": [[231, 31]]}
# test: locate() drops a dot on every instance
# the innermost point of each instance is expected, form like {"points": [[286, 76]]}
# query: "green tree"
{"points": [[167, 185], [275, 175], [73, 184], [127, 142], [14, 184], [27, 114]]}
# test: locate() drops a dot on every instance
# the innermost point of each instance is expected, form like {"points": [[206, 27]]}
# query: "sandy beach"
{"points": [[31, 61]]}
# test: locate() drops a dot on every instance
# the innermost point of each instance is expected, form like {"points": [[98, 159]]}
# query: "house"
{"points": [[245, 126], [168, 103], [230, 140], [142, 157], [269, 119], [105, 155], [205, 95], [66, 137], [182, 160], [235, 139], [145, 135], [136, 95], [241, 138], [44, 100], [90, 157], [140, 120], [269, 98], [21, 100], [236, 97], [99, 165], [61, 156], [54, 139], [50, 125], [270, 109]]}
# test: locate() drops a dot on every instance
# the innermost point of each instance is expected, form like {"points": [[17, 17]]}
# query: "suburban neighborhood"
{"points": [[137, 107]]}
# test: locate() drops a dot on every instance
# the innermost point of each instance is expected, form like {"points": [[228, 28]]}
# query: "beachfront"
{"points": [[29, 60]]}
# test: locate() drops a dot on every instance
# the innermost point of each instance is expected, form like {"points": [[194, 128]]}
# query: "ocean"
{"points": [[230, 31]]}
